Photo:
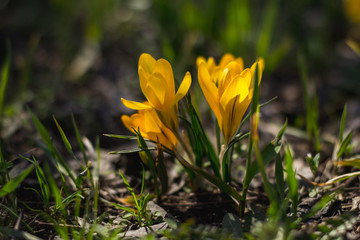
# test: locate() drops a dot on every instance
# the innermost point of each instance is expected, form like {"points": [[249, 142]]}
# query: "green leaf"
{"points": [[134, 150], [344, 144], [161, 169], [79, 140], [131, 190], [64, 138], [127, 209], [279, 176], [268, 154], [45, 191], [126, 137], [49, 144], [11, 185], [147, 159], [313, 162], [318, 206], [291, 179], [41, 130], [4, 77], [342, 124]]}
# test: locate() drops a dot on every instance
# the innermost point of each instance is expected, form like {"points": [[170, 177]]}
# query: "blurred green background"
{"points": [[81, 56]]}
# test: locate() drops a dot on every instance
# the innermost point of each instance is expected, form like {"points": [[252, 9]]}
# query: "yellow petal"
{"points": [[223, 81], [126, 120], [151, 122], [156, 91], [234, 68], [247, 75], [200, 60], [144, 78], [170, 140], [164, 68], [236, 88], [209, 89], [240, 61], [260, 65], [183, 89], [211, 65], [233, 114], [135, 105], [147, 62], [226, 59]]}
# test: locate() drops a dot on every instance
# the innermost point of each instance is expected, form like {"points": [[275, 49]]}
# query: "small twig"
{"points": [[17, 224]]}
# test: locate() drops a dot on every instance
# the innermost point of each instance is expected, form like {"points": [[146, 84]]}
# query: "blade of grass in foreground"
{"points": [[49, 144], [44, 186], [79, 140], [146, 157], [291, 180], [4, 77], [342, 124], [11, 185], [65, 140]]}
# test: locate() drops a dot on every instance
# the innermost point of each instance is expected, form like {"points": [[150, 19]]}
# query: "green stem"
{"points": [[246, 182]]}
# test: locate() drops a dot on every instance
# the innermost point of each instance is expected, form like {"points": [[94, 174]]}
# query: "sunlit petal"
{"points": [[200, 60], [260, 65], [143, 78], [164, 68], [156, 90], [183, 89], [128, 123], [209, 89], [225, 60], [151, 122], [236, 88], [135, 105], [147, 62]]}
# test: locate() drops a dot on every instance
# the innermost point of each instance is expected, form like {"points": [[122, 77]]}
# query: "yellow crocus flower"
{"points": [[157, 84], [228, 88], [150, 126]]}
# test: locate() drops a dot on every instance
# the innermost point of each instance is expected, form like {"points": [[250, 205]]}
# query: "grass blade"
{"points": [[279, 176], [4, 78], [126, 137], [161, 169], [79, 140], [291, 179], [146, 157], [342, 124], [134, 150], [344, 144], [65, 140], [49, 144], [11, 185]]}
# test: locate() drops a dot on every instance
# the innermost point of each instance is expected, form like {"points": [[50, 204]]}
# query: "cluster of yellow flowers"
{"points": [[228, 89]]}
